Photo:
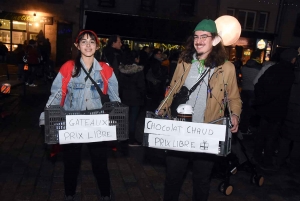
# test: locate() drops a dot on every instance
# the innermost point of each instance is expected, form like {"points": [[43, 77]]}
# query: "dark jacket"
{"points": [[291, 126], [132, 85], [156, 78], [272, 91], [249, 72], [113, 57]]}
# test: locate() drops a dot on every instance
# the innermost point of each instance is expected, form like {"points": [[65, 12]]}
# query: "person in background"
{"points": [[204, 52], [272, 92], [32, 57], [112, 53], [249, 72], [20, 52], [132, 90], [156, 79], [144, 55], [81, 95], [3, 52]]}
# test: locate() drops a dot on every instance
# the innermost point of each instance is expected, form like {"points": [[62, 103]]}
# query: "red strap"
{"points": [[66, 72]]}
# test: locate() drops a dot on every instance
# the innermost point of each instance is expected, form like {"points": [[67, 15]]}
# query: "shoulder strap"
{"points": [[66, 72], [106, 73]]}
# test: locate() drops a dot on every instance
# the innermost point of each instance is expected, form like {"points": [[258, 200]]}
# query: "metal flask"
{"points": [[185, 113]]}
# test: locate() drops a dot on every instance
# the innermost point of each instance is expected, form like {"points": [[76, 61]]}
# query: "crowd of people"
{"points": [[270, 109], [139, 79]]}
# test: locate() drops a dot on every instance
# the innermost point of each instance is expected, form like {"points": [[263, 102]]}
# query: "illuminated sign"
{"points": [[261, 44], [26, 18]]}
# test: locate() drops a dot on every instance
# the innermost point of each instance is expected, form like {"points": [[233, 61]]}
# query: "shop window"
{"points": [[187, 7], [148, 5], [230, 11], [4, 24], [18, 37], [262, 21], [5, 36], [297, 26], [35, 27], [19, 25], [106, 3], [247, 19]]}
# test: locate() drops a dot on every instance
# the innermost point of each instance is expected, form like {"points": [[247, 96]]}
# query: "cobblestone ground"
{"points": [[26, 173]]}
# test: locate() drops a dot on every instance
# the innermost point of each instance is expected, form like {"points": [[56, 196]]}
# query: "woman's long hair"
{"points": [[78, 64], [216, 57]]}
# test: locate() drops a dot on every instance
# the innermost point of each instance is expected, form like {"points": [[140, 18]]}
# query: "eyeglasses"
{"points": [[202, 37], [85, 42]]}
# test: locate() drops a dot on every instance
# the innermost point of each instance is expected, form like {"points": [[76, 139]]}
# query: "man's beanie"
{"points": [[289, 54], [207, 25]]}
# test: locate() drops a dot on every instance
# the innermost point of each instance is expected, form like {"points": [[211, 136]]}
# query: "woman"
{"points": [[81, 94], [132, 90]]}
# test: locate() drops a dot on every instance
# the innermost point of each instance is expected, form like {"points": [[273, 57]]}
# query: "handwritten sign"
{"points": [[89, 134], [184, 136], [79, 121]]}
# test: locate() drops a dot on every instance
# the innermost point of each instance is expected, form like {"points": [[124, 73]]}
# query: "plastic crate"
{"points": [[55, 119], [224, 146]]}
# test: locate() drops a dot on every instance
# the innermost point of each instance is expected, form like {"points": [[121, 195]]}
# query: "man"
{"points": [[249, 72], [112, 53], [204, 51], [156, 78], [272, 93]]}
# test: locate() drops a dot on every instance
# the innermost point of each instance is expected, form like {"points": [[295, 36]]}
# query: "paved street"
{"points": [[26, 173]]}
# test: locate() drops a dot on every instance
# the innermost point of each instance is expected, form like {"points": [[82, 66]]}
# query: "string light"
{"points": [[284, 4]]}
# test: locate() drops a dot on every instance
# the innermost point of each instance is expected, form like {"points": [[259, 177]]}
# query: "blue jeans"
{"points": [[177, 163]]}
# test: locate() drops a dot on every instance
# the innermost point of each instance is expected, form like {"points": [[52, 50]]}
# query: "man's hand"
{"points": [[235, 123]]}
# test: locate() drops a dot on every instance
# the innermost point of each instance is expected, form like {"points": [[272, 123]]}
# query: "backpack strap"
{"points": [[106, 73], [66, 72]]}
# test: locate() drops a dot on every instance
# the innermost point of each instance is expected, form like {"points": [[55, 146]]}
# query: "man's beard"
{"points": [[199, 54]]}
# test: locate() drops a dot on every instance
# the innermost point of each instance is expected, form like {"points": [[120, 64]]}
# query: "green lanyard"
{"points": [[200, 65]]}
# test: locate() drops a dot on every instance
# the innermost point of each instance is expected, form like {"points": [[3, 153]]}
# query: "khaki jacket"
{"points": [[221, 77]]}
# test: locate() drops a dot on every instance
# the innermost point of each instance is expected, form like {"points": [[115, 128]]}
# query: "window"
{"points": [[19, 25], [106, 3], [4, 24], [230, 11], [247, 19], [148, 5], [187, 7], [262, 21]]}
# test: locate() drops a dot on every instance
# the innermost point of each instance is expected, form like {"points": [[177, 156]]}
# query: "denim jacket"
{"points": [[79, 90]]}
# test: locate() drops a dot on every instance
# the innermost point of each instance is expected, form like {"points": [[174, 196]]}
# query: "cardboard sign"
{"points": [[85, 135], [184, 136], [87, 128], [79, 121]]}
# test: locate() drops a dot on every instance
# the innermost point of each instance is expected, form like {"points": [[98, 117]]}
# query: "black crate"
{"points": [[55, 119]]}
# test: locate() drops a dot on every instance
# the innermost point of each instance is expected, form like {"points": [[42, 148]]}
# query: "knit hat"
{"points": [[289, 54], [207, 25]]}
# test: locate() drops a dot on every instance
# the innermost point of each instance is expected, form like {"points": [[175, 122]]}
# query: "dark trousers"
{"points": [[72, 162], [133, 115], [266, 140], [177, 163], [291, 149], [248, 112], [30, 74]]}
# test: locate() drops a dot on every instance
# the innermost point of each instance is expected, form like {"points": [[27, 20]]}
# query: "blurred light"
{"points": [[229, 29]]}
